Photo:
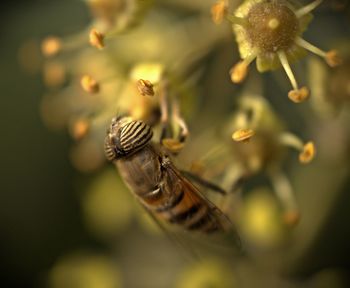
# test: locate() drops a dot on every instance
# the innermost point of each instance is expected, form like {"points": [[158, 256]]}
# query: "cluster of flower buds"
{"points": [[104, 80]]}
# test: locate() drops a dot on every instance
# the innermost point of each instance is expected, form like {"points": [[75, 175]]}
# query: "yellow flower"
{"points": [[270, 32]]}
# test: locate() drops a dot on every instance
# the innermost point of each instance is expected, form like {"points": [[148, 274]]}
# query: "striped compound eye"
{"points": [[110, 152], [134, 135]]}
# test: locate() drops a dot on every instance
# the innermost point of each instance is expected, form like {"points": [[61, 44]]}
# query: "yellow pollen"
{"points": [[96, 38], [218, 11], [89, 84], [243, 135], [273, 23], [145, 87], [299, 95], [308, 153], [239, 72], [173, 145], [51, 46]]}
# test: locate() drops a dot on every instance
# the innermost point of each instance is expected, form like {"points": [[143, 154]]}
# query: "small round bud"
{"points": [[299, 95], [145, 87], [308, 153], [219, 11], [333, 59], [96, 39], [51, 46], [89, 84], [243, 135], [239, 72]]}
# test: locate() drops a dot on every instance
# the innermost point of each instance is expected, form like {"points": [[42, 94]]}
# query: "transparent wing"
{"points": [[215, 212]]}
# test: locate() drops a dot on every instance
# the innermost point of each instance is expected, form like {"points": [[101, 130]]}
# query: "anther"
{"points": [[308, 153], [51, 46], [299, 95], [333, 59], [239, 72], [145, 87], [219, 11], [243, 135], [89, 84], [96, 39], [296, 95], [307, 9]]}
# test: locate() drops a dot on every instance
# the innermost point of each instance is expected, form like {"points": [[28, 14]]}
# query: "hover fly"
{"points": [[152, 177]]}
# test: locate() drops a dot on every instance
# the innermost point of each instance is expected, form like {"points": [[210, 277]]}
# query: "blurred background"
{"points": [[66, 219]]}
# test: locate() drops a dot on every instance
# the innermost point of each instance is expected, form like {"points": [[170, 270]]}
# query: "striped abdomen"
{"points": [[177, 201]]}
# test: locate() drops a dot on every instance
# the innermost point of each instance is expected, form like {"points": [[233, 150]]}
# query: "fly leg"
{"points": [[203, 182]]}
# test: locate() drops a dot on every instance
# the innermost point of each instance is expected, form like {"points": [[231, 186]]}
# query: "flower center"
{"points": [[271, 27]]}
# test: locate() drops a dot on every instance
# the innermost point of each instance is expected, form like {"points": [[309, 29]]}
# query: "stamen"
{"points": [[332, 57], [284, 61], [308, 153], [300, 95], [296, 95], [89, 84], [243, 135], [240, 70], [163, 100], [291, 140], [284, 192], [312, 48], [307, 9], [51, 46], [96, 39], [145, 87], [233, 176], [180, 121], [219, 11]]}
